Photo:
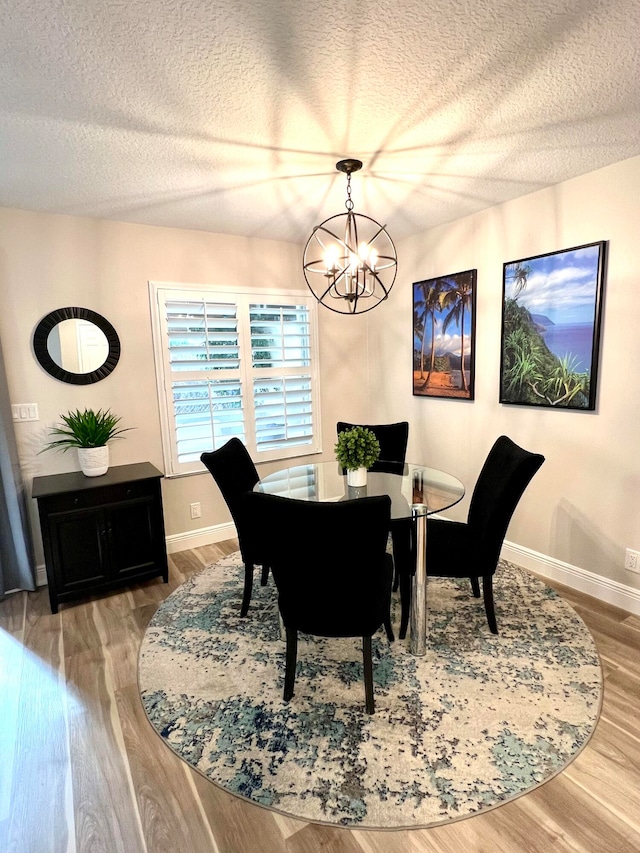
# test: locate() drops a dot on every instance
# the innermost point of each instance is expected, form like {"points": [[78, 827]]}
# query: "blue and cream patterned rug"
{"points": [[477, 721]]}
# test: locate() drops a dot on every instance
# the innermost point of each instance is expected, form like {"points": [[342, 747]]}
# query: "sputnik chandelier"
{"points": [[350, 262]]}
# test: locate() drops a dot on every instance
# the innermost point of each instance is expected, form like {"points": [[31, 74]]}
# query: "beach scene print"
{"points": [[550, 328], [443, 336]]}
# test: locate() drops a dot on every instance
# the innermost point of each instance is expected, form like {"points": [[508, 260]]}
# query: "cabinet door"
{"points": [[78, 546], [133, 537]]}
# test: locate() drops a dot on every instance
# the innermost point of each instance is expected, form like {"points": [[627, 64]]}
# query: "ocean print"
{"points": [[571, 339], [550, 328]]}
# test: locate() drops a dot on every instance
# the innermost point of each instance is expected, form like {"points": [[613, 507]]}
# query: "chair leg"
{"points": [[248, 586], [292, 655], [396, 579], [389, 629], [265, 576], [405, 603], [401, 550], [404, 563], [368, 674], [487, 589], [475, 586]]}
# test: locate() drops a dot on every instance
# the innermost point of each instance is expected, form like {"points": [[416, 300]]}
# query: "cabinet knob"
{"points": [[76, 501]]}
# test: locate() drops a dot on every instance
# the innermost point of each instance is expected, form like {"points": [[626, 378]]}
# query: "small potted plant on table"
{"points": [[356, 450], [89, 431]]}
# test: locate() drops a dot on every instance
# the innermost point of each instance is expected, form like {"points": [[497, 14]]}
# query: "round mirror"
{"points": [[76, 345]]}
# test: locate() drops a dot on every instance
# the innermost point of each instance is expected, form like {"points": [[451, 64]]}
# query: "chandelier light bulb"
{"points": [[331, 257]]}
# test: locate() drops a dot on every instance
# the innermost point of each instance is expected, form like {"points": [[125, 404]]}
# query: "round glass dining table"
{"points": [[416, 491]]}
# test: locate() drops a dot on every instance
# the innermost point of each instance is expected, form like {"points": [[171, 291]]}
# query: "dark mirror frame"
{"points": [[41, 335]]}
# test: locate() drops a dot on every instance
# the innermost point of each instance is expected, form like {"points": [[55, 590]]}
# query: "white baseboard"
{"points": [[619, 594], [202, 536]]}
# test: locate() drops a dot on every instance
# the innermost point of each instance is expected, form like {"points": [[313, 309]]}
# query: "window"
{"points": [[235, 364]]}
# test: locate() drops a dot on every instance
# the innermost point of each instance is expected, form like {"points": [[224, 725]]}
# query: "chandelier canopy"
{"points": [[350, 262]]}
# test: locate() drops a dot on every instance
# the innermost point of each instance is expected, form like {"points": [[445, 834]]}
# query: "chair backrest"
{"points": [[328, 560], [233, 470], [506, 473], [393, 440]]}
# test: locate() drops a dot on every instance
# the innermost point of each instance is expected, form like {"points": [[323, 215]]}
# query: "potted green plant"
{"points": [[356, 450], [89, 432]]}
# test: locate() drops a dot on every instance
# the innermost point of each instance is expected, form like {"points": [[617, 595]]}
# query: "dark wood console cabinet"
{"points": [[100, 533]]}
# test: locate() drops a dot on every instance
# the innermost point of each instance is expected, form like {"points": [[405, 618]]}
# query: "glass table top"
{"points": [[411, 487]]}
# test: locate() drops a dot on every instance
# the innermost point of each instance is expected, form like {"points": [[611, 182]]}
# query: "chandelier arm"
{"points": [[324, 294], [381, 283], [333, 286]]}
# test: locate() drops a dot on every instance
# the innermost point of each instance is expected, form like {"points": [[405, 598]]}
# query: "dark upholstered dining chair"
{"points": [[393, 440], [471, 549], [331, 569], [233, 470]]}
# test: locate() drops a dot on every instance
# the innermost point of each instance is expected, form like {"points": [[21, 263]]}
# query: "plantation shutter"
{"points": [[282, 387], [232, 366]]}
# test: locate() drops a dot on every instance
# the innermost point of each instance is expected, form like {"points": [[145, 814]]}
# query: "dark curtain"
{"points": [[16, 561]]}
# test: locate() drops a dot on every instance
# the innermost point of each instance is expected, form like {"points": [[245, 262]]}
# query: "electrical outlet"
{"points": [[195, 510], [632, 560]]}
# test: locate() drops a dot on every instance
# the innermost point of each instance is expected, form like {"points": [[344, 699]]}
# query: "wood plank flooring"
{"points": [[82, 771]]}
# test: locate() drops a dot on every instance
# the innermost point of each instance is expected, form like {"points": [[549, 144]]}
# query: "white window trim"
{"points": [[163, 373]]}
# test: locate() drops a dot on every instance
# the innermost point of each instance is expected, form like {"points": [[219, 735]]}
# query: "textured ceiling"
{"points": [[229, 115]]}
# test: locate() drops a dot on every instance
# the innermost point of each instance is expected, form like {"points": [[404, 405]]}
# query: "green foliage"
{"points": [[531, 372], [565, 385], [519, 274], [86, 429], [442, 364], [357, 448]]}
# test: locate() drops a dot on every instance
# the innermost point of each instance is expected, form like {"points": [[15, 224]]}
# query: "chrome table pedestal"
{"points": [[418, 612]]}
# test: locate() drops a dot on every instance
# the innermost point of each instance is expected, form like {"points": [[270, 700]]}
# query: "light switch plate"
{"points": [[23, 412]]}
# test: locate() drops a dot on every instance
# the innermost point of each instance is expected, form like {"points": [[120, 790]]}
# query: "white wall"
{"points": [[49, 261], [583, 506]]}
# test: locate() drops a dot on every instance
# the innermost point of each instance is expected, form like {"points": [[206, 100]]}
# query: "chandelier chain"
{"points": [[349, 203]]}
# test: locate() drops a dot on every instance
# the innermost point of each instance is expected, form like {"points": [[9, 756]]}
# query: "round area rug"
{"points": [[479, 720]]}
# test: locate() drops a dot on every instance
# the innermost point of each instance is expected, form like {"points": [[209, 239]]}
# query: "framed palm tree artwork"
{"points": [[551, 316], [444, 313]]}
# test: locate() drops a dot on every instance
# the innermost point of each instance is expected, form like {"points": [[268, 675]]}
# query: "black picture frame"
{"points": [[444, 336], [551, 327], [41, 350]]}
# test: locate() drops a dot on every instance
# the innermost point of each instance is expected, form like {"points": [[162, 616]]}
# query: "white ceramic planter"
{"points": [[94, 461], [357, 477]]}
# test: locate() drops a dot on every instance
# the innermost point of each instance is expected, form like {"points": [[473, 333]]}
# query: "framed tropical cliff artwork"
{"points": [[444, 314], [551, 316]]}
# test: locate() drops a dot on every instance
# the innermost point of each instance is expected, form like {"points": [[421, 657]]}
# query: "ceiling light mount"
{"points": [[348, 166], [350, 261]]}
